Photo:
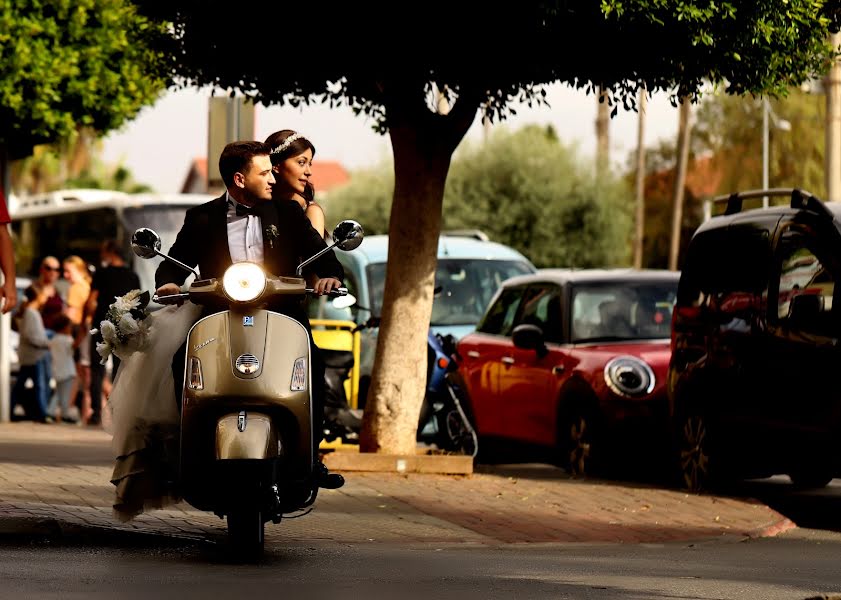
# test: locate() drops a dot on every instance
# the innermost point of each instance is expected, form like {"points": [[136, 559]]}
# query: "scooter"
{"points": [[247, 447]]}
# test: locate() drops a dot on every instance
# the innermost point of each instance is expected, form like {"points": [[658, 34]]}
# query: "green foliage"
{"points": [[731, 130], [366, 199], [727, 144], [66, 64], [74, 162], [525, 190], [529, 191], [117, 178], [659, 197], [749, 46], [372, 61]]}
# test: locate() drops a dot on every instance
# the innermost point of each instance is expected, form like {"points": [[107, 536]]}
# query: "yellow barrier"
{"points": [[330, 334]]}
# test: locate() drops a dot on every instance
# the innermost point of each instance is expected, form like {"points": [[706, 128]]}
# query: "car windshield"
{"points": [[625, 310], [463, 287]]}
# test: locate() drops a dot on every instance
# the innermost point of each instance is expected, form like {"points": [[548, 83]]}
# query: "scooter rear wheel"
{"points": [[246, 533]]}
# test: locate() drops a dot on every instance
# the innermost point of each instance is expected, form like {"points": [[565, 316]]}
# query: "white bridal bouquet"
{"points": [[125, 327]]}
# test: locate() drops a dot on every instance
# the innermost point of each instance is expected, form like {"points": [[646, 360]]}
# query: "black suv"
{"points": [[753, 388]]}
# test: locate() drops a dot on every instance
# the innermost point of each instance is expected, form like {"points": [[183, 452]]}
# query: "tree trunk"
{"points": [[832, 85], [423, 144], [639, 220], [602, 133], [684, 129]]}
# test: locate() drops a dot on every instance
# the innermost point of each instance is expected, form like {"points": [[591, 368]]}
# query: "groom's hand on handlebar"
{"points": [[169, 289], [328, 284]]}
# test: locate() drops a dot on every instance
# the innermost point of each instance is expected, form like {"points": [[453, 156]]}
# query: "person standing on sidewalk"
{"points": [[77, 274], [47, 282], [32, 350], [62, 347], [112, 279]]}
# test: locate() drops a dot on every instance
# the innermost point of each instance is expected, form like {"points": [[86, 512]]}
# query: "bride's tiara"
{"points": [[286, 143]]}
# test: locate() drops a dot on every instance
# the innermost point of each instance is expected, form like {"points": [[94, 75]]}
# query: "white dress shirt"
{"points": [[245, 237]]}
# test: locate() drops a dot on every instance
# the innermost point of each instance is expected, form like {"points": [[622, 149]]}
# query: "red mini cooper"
{"points": [[574, 361]]}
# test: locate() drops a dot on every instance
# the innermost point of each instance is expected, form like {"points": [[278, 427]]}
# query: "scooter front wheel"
{"points": [[246, 533]]}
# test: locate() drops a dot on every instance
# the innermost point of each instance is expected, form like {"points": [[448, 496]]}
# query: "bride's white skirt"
{"points": [[144, 416]]}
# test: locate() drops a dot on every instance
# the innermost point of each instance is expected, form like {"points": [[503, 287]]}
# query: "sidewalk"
{"points": [[56, 477]]}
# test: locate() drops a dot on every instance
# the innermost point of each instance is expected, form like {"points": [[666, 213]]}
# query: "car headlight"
{"points": [[629, 376], [243, 282]]}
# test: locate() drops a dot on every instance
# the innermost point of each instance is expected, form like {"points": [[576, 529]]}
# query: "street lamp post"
{"points": [[782, 125], [765, 140]]}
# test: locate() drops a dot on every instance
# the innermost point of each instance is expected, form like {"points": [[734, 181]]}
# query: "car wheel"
{"points": [[579, 440], [694, 453]]}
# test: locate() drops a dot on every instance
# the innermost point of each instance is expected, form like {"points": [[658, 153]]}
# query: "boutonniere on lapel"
{"points": [[271, 235]]}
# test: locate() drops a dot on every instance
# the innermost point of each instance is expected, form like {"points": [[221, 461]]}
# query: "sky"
{"points": [[159, 145]]}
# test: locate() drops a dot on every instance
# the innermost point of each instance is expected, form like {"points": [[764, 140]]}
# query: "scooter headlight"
{"points": [[629, 376], [243, 282]]}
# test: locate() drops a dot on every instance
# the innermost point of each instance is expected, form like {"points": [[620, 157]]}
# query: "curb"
{"points": [[441, 464], [773, 530]]}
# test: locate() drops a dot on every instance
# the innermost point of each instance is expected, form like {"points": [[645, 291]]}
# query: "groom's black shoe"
{"points": [[327, 480]]}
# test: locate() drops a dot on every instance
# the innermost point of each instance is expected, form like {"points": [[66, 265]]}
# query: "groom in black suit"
{"points": [[245, 223]]}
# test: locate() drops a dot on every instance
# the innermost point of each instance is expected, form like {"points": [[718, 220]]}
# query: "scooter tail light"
{"points": [[196, 382], [443, 362], [299, 375]]}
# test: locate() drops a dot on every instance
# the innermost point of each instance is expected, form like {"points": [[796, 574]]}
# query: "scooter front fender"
{"points": [[246, 435], [274, 343]]}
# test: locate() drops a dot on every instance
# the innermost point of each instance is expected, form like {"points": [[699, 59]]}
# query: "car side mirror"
{"points": [[530, 337]]}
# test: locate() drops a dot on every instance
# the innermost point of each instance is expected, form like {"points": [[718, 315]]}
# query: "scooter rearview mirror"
{"points": [[145, 242], [348, 235], [341, 302]]}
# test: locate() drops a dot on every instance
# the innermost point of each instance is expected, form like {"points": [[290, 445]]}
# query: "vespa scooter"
{"points": [[247, 447]]}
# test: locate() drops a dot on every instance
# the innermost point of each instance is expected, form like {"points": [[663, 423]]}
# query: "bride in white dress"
{"points": [[144, 416]]}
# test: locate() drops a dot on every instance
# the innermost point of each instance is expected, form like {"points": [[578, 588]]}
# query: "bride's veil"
{"points": [[144, 416]]}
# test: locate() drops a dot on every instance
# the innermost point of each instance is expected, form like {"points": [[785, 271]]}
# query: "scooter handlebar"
{"points": [[342, 291], [171, 298], [184, 296]]}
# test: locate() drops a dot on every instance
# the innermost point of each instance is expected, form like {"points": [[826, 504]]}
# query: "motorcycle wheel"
{"points": [[246, 533], [453, 434]]}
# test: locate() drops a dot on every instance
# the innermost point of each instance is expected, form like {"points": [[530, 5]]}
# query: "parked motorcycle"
{"points": [[444, 414], [247, 447], [443, 421]]}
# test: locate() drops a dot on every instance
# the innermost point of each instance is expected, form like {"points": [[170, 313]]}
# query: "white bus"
{"points": [[69, 222]]}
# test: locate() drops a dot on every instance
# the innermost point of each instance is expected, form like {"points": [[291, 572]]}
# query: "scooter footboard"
{"points": [[246, 436]]}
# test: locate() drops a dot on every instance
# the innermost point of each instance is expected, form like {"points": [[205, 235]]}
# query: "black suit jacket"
{"points": [[203, 242]]}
